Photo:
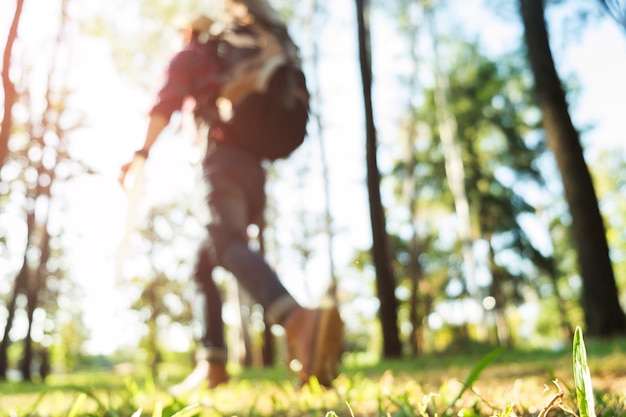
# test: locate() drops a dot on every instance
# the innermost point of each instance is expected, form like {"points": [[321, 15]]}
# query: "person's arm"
{"points": [[177, 86], [156, 125]]}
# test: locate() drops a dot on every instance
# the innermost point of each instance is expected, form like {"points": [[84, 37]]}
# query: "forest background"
{"points": [[82, 277]]}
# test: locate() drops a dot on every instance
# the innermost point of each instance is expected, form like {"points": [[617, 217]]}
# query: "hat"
{"points": [[197, 23]]}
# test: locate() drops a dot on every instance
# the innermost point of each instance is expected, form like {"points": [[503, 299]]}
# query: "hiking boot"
{"points": [[315, 339], [213, 373], [217, 375]]}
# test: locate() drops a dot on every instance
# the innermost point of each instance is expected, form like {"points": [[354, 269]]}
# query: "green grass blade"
{"points": [[36, 403], [77, 405], [474, 374], [158, 410], [90, 393], [189, 411], [582, 377]]}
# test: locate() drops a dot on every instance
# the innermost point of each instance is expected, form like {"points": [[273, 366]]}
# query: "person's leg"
{"points": [[211, 359], [214, 352], [314, 336], [211, 300], [234, 204]]}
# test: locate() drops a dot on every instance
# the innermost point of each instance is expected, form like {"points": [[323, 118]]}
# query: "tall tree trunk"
{"points": [[416, 308], [603, 314], [10, 94], [415, 272], [33, 290], [385, 280], [247, 354], [411, 188], [268, 345], [151, 339], [567, 330], [41, 194], [414, 267], [18, 288], [31, 304], [503, 334]]}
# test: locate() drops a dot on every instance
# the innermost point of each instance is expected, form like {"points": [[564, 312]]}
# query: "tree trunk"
{"points": [[268, 345], [246, 355], [9, 89], [33, 291], [33, 285], [414, 272], [31, 305], [416, 308], [603, 314], [567, 330], [385, 280], [503, 334], [18, 288]]}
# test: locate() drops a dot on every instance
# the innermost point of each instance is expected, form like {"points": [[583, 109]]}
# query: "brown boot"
{"points": [[213, 373], [315, 339], [217, 374]]}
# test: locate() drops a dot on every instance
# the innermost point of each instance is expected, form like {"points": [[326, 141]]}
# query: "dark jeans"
{"points": [[236, 198]]}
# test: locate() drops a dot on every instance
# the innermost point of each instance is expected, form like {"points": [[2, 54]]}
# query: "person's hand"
{"points": [[127, 166], [123, 171]]}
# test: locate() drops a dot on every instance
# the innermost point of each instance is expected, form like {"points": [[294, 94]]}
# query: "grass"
{"points": [[477, 383]]}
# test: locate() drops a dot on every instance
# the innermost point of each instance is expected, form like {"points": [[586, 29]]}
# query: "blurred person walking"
{"points": [[235, 180]]}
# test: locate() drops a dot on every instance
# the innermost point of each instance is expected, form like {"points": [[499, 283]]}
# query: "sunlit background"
{"points": [[102, 258]]}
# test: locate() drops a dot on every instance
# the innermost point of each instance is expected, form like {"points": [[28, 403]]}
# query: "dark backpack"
{"points": [[263, 101]]}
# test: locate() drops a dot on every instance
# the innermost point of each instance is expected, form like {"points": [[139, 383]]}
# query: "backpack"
{"points": [[263, 102]]}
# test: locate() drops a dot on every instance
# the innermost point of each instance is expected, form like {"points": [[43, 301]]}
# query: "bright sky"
{"points": [[117, 111]]}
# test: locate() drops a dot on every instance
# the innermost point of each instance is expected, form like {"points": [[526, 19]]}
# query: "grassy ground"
{"points": [[514, 383]]}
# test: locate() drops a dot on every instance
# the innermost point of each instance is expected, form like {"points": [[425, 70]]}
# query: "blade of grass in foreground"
{"points": [[190, 410], [582, 377], [473, 376], [78, 404], [36, 403]]}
